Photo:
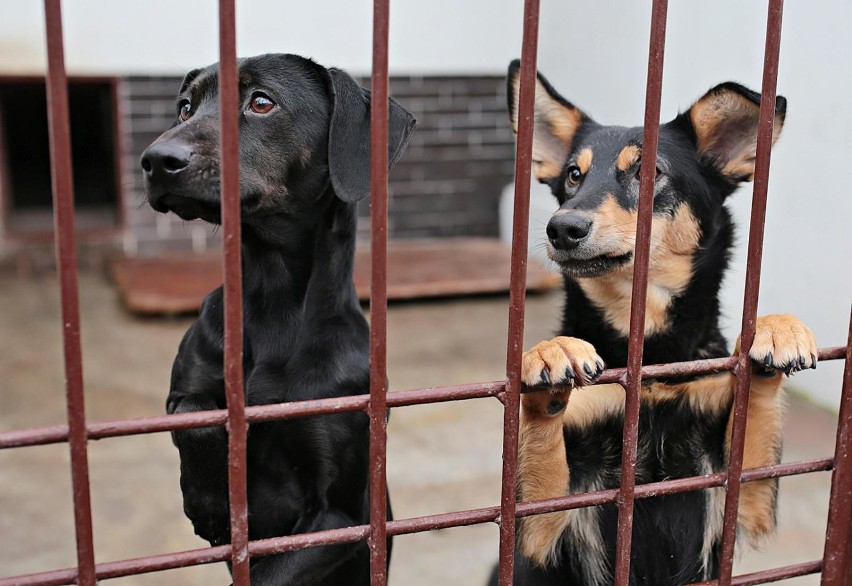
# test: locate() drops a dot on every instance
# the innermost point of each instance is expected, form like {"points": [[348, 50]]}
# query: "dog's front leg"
{"points": [[312, 566], [203, 470], [560, 364], [782, 344]]}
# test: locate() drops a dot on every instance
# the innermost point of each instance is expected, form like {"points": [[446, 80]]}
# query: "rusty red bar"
{"points": [[411, 525], [379, 294], [517, 292], [752, 286], [601, 497], [838, 564], [773, 575], [229, 109], [633, 380], [123, 427], [66, 260]]}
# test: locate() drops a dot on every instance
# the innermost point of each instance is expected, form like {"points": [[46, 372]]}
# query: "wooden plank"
{"points": [[416, 269]]}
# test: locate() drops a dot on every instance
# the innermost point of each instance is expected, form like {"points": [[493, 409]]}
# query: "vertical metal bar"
{"points": [[229, 113], [517, 291], [752, 286], [66, 256], [848, 563], [837, 565], [633, 378], [379, 294]]}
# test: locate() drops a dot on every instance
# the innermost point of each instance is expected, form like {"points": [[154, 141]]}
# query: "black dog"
{"points": [[304, 163], [592, 170]]}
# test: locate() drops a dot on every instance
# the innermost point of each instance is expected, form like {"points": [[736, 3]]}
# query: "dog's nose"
{"points": [[567, 231], [166, 159]]}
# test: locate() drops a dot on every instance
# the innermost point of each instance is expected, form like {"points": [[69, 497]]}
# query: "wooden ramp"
{"points": [[416, 269]]}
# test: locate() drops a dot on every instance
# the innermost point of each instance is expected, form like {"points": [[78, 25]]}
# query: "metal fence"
{"points": [[836, 564]]}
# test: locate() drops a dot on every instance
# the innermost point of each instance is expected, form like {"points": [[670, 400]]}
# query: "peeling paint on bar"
{"points": [[636, 342], [511, 398], [66, 260], [838, 536], [377, 407], [229, 152], [752, 286]]}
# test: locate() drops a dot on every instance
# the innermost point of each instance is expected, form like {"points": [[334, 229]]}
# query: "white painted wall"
{"points": [[160, 36], [595, 52]]}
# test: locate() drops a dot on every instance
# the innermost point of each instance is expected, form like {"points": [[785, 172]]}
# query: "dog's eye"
{"points": [[184, 110], [260, 103], [574, 176], [657, 172]]}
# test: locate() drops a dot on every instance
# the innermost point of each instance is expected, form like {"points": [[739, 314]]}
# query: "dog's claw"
{"points": [[782, 345], [560, 362]]}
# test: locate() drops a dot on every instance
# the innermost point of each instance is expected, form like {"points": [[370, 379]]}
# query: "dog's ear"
{"points": [[349, 136], [556, 123], [725, 122]]}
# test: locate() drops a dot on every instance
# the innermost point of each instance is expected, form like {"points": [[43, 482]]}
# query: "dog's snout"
{"points": [[165, 159], [567, 231]]}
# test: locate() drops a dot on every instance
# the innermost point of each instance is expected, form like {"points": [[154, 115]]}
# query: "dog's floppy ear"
{"points": [[725, 122], [555, 124], [349, 136]]}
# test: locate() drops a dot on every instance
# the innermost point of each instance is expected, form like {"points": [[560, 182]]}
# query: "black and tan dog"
{"points": [[592, 170], [304, 163]]}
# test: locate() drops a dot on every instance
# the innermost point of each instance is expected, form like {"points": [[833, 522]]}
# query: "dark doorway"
{"points": [[25, 162]]}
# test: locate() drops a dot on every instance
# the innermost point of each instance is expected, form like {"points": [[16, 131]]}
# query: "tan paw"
{"points": [[562, 361], [783, 343]]}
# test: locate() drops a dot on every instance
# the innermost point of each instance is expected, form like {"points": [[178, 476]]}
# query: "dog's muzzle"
{"points": [[567, 231]]}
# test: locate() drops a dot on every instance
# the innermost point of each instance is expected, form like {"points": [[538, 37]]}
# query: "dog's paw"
{"points": [[562, 361], [783, 343]]}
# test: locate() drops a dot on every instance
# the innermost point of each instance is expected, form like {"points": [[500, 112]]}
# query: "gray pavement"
{"points": [[442, 457]]}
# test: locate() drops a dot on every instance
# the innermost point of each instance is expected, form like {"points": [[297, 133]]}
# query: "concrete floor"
{"points": [[441, 457]]}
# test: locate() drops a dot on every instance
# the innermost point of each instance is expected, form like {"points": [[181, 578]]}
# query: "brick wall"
{"points": [[147, 108], [447, 184]]}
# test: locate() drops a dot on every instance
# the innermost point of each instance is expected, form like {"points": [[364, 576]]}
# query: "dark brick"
{"points": [[448, 183]]}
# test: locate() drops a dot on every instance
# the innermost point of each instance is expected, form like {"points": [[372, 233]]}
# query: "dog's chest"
{"points": [[674, 442]]}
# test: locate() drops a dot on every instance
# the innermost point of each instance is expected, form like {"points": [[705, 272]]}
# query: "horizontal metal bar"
{"points": [[405, 526], [652, 489], [123, 427], [144, 565], [773, 575]]}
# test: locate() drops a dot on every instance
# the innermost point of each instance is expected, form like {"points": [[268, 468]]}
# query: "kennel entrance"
{"points": [[25, 158]]}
